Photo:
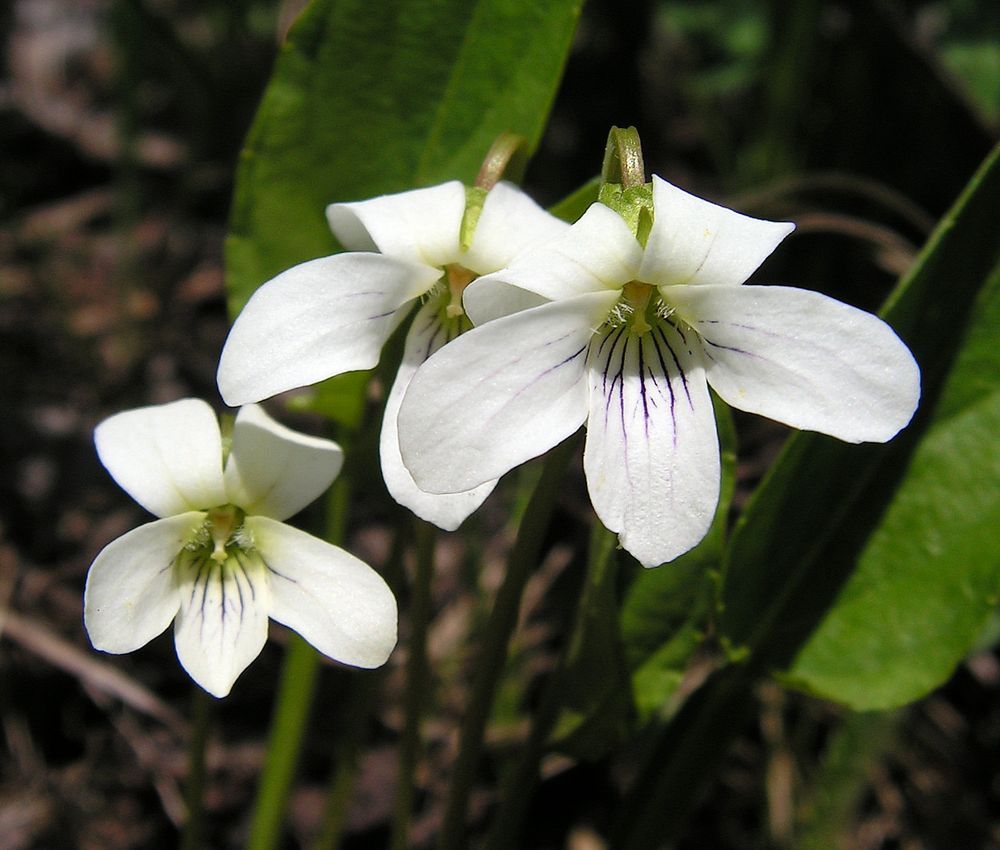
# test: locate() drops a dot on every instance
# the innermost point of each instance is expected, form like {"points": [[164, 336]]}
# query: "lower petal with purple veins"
{"points": [[652, 454], [222, 623]]}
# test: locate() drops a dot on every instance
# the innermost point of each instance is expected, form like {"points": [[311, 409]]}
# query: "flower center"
{"points": [[637, 297], [223, 525], [221, 532], [641, 308], [458, 278], [222, 542]]}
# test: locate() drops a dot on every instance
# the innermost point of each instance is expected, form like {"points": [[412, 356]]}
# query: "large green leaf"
{"points": [[376, 96], [929, 579], [809, 522]]}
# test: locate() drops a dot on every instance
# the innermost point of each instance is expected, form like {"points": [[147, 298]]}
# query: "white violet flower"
{"points": [[334, 314], [628, 338], [219, 559]]}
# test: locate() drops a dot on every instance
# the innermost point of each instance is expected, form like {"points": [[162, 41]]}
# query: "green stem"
{"points": [[292, 706], [291, 714], [341, 785], [524, 777], [416, 684], [507, 157], [194, 793], [493, 653], [338, 799]]}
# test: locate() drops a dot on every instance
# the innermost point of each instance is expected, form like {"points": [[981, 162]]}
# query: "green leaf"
{"points": [[376, 97], [810, 520], [929, 579]]}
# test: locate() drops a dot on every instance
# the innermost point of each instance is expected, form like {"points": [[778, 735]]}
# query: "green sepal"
{"points": [[634, 204]]}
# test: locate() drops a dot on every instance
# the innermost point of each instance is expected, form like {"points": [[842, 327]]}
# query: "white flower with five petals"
{"points": [[629, 339], [219, 559], [333, 315]]}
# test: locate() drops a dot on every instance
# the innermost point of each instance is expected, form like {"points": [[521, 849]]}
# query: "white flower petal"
{"points": [[275, 471], [803, 359], [695, 241], [499, 395], [596, 254], [509, 224], [315, 320], [222, 623], [652, 455], [486, 299], [426, 335], [131, 594], [168, 457], [419, 226], [334, 600]]}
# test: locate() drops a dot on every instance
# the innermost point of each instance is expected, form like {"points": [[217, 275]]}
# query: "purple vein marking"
{"points": [[742, 326], [600, 348], [204, 593], [605, 371], [239, 590], [222, 593], [728, 347], [670, 384], [654, 376], [680, 369], [619, 378], [642, 390], [563, 362], [239, 560], [277, 573], [684, 339], [550, 370], [611, 352], [677, 365], [431, 348]]}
